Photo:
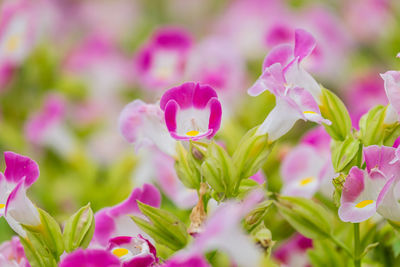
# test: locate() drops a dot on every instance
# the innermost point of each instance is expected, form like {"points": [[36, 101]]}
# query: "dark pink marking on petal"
{"points": [[353, 185], [104, 227], [170, 112], [282, 54], [384, 190], [202, 95], [182, 94], [19, 167], [214, 121]]}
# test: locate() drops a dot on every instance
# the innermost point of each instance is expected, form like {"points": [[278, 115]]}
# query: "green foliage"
{"points": [[79, 229], [164, 227], [186, 167], [346, 154], [333, 109]]}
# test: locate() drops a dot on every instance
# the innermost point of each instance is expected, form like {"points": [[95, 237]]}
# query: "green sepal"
{"points": [[164, 227], [333, 109], [251, 153], [218, 170], [257, 215], [187, 172], [306, 216], [79, 229], [346, 154]]}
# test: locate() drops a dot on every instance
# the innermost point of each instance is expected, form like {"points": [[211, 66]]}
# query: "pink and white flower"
{"points": [[192, 111], [133, 251], [115, 221], [193, 261], [308, 167], [161, 61], [47, 128], [143, 124], [90, 257], [392, 87], [297, 93], [20, 173], [293, 252], [375, 189], [12, 254]]}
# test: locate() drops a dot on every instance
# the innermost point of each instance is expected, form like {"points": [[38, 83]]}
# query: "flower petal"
{"points": [[19, 167]]}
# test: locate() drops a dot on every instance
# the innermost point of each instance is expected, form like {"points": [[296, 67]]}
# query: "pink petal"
{"points": [[19, 167], [90, 257], [282, 54], [392, 88], [304, 44]]}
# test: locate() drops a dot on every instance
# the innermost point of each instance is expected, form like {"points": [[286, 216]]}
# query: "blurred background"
{"points": [[74, 64]]}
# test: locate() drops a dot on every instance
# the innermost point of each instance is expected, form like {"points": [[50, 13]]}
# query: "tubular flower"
{"points": [[90, 257], [143, 124], [308, 167], [20, 173], [12, 254], [297, 93], [192, 111], [115, 221], [366, 192], [133, 251], [161, 62]]}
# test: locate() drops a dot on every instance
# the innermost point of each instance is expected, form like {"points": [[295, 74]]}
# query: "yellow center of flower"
{"points": [[12, 43], [306, 181], [364, 203], [309, 112], [192, 133], [2, 206], [119, 252]]}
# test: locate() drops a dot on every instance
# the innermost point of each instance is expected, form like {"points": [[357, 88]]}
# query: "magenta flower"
{"points": [[20, 173], [192, 261], [308, 167], [293, 251], [367, 191], [12, 254], [133, 251], [297, 93], [115, 221], [90, 257], [161, 62], [143, 124], [191, 111]]}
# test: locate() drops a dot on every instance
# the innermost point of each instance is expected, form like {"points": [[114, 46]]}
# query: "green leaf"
{"points": [[333, 109], [257, 214], [306, 216], [368, 249], [164, 227], [251, 153], [218, 170], [35, 259], [79, 229], [346, 154]]}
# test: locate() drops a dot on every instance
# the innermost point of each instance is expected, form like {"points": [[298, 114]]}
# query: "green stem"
{"points": [[341, 245], [357, 260]]}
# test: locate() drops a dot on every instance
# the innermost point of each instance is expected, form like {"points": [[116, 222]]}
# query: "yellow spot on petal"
{"points": [[119, 252], [13, 43], [309, 112], [2, 206], [192, 133], [306, 181], [364, 203]]}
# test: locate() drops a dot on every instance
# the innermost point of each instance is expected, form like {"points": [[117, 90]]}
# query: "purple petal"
{"points": [[304, 44], [90, 257], [19, 167]]}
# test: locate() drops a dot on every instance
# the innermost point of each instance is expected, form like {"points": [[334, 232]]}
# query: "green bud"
{"points": [[35, 258], [79, 229], [218, 170], [164, 227], [338, 183], [306, 216], [263, 237], [257, 214], [375, 131], [251, 153], [346, 154], [333, 109], [186, 168]]}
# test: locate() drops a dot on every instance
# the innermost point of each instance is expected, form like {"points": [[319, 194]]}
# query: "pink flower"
{"points": [[161, 61], [392, 86], [375, 189], [12, 254], [308, 167], [115, 221], [133, 251], [293, 251], [191, 111], [90, 257], [297, 93], [143, 124], [20, 173], [193, 261]]}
